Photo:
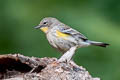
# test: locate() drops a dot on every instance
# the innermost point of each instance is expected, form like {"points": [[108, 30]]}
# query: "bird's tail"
{"points": [[101, 44]]}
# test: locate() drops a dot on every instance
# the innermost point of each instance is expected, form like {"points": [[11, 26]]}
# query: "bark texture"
{"points": [[19, 67]]}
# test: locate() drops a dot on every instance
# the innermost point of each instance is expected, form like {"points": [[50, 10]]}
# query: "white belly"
{"points": [[61, 44]]}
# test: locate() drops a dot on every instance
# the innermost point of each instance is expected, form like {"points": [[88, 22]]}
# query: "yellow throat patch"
{"points": [[60, 34], [44, 29]]}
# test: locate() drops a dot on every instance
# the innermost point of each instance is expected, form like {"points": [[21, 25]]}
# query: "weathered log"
{"points": [[19, 67]]}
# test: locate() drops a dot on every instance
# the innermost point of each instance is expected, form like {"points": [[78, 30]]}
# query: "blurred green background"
{"points": [[97, 19]]}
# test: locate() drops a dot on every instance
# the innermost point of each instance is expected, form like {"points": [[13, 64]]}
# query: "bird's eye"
{"points": [[45, 23]]}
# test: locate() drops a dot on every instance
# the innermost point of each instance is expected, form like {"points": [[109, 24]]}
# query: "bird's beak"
{"points": [[36, 27], [42, 27], [39, 26]]}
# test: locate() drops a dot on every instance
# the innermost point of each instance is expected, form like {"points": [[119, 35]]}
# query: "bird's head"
{"points": [[47, 23]]}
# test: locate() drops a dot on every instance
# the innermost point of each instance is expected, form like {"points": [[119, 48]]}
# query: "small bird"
{"points": [[62, 37]]}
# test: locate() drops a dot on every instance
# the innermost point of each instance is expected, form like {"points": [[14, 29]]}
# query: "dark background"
{"points": [[97, 19]]}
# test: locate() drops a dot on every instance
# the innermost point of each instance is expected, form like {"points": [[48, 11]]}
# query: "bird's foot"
{"points": [[66, 57]]}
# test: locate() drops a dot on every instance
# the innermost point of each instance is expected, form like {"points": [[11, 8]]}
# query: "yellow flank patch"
{"points": [[44, 29], [60, 34]]}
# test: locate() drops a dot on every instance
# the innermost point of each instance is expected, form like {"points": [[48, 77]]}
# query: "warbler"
{"points": [[63, 37]]}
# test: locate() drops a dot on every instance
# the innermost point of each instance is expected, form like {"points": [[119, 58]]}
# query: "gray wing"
{"points": [[72, 32]]}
